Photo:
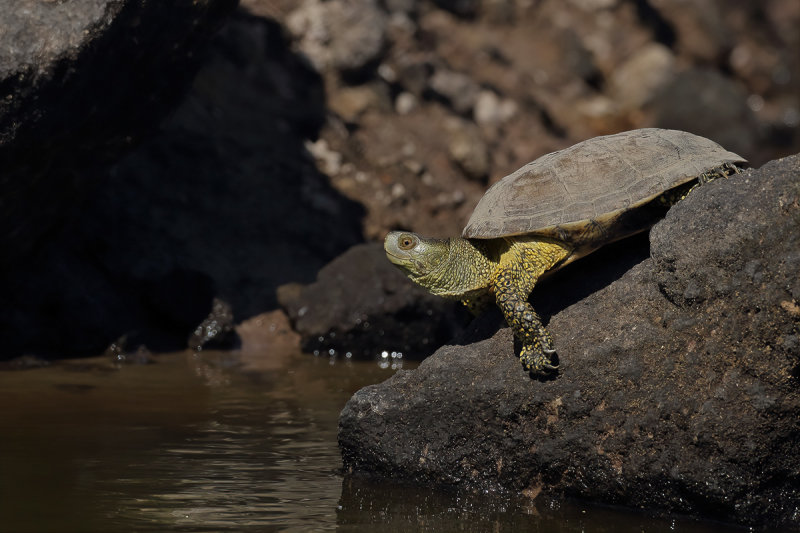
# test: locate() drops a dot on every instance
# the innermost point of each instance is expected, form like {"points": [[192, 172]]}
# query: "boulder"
{"points": [[209, 206], [362, 305], [82, 82], [677, 390]]}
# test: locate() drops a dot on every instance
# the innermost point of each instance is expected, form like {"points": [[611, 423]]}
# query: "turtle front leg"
{"points": [[537, 345], [519, 270]]}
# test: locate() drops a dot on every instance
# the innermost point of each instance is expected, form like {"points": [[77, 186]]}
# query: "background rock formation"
{"points": [[222, 200], [284, 153]]}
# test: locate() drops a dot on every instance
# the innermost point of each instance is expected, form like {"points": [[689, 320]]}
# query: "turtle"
{"points": [[552, 211]]}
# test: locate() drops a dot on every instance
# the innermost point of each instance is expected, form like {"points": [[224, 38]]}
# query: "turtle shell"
{"points": [[561, 193]]}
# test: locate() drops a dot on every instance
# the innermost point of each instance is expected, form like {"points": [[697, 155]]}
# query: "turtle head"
{"points": [[415, 255]]}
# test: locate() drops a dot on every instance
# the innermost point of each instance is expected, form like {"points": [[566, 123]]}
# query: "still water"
{"points": [[217, 441]]}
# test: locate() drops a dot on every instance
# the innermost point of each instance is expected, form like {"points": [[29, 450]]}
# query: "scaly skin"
{"points": [[473, 270], [519, 270]]}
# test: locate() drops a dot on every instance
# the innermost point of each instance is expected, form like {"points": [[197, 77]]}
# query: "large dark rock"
{"points": [[678, 387], [363, 305], [80, 83], [223, 201]]}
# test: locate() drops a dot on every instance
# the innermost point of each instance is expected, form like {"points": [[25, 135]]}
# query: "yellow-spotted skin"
{"points": [[518, 270]]}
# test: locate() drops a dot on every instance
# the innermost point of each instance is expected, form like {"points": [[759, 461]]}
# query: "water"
{"points": [[218, 441]]}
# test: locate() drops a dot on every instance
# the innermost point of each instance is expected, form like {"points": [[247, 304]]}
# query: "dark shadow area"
{"points": [[71, 104], [223, 201], [663, 32], [578, 280]]}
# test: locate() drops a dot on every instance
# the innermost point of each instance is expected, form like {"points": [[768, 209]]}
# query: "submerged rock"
{"points": [[678, 388], [363, 305]]}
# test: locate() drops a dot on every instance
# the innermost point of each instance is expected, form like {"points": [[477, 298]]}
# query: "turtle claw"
{"points": [[545, 340], [537, 361]]}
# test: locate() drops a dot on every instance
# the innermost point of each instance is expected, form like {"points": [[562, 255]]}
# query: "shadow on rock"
{"points": [[567, 286], [223, 201]]}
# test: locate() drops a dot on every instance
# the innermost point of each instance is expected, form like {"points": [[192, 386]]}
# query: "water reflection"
{"points": [[367, 506], [266, 460], [231, 473], [192, 443], [225, 441]]}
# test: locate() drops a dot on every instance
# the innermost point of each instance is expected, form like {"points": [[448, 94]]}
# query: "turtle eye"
{"points": [[406, 241]]}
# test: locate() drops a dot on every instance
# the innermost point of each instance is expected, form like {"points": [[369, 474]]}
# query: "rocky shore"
{"points": [[171, 171], [678, 385]]}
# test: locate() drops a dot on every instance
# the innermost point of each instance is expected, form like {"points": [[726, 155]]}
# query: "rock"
{"points": [[24, 362], [699, 27], [639, 79], [268, 341], [457, 88], [405, 103], [329, 161], [412, 74], [343, 35], [490, 110], [463, 8], [706, 103], [678, 385], [402, 6], [207, 207], [351, 102], [363, 305], [83, 81], [216, 329], [467, 148]]}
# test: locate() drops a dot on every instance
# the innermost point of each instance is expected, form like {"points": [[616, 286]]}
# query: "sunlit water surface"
{"points": [[212, 441]]}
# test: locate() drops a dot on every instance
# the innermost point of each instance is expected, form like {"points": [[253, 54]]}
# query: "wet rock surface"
{"points": [[678, 385], [362, 305], [216, 330]]}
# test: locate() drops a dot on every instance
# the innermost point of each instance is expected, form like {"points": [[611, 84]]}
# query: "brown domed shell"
{"points": [[593, 180]]}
